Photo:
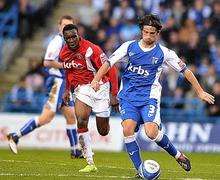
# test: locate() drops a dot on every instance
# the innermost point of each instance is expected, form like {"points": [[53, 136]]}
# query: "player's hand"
{"points": [[114, 103], [95, 85], [66, 97], [207, 97]]}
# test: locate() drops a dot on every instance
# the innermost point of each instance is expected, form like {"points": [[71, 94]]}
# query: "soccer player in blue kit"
{"points": [[140, 91]]}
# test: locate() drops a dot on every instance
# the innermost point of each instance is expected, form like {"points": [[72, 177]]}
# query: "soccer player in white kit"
{"points": [[55, 85], [140, 92]]}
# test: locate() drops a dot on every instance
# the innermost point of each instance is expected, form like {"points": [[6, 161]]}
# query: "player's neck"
{"points": [[145, 45]]}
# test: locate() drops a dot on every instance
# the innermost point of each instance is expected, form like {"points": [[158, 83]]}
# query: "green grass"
{"points": [[48, 164]]}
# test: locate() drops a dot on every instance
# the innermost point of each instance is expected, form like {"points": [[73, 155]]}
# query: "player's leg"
{"points": [[131, 145], [82, 114], [163, 141], [102, 124], [101, 109], [71, 130], [45, 117], [53, 86], [151, 116], [131, 119]]}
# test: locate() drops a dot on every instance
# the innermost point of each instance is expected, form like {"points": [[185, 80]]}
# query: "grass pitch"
{"points": [[50, 164]]}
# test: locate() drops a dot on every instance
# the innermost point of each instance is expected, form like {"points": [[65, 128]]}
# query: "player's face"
{"points": [[149, 35], [64, 22], [72, 38]]}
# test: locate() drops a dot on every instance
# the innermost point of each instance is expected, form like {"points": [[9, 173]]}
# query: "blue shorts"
{"points": [[141, 114], [55, 88]]}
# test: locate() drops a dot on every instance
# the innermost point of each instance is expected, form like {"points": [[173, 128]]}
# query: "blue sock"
{"points": [[133, 151], [167, 145], [28, 127], [72, 135]]}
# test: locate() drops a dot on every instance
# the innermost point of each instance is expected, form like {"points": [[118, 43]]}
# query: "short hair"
{"points": [[70, 27], [150, 20], [68, 17]]}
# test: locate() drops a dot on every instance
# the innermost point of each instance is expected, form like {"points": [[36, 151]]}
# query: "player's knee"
{"points": [[70, 121], [151, 133], [42, 120], [102, 125], [82, 123], [104, 130], [128, 131]]}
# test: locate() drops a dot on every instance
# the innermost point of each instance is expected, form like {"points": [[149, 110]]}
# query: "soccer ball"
{"points": [[149, 170]]}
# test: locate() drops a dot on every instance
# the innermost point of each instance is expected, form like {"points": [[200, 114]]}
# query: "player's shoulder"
{"points": [[127, 43], [125, 46], [57, 39], [64, 50], [168, 53], [90, 46], [166, 50]]}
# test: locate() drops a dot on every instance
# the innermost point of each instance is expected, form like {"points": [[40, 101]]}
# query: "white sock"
{"points": [[178, 154], [85, 143]]}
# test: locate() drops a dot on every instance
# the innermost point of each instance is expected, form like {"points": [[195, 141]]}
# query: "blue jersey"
{"points": [[140, 80]]}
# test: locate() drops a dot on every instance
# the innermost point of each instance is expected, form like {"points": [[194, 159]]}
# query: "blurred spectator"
{"points": [[188, 28], [183, 83], [98, 5], [178, 98], [101, 38], [106, 13], [178, 9], [151, 6], [192, 50], [164, 12], [114, 27], [94, 28], [129, 31], [173, 41], [123, 11], [214, 110], [35, 75], [215, 17], [26, 16], [199, 12], [209, 78], [204, 66], [6, 5], [215, 57], [111, 44], [86, 13], [21, 93]]}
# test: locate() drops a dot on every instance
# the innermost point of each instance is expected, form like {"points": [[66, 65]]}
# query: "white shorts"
{"points": [[99, 101]]}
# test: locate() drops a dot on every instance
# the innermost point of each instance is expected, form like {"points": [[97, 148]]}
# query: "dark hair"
{"points": [[68, 17], [70, 27], [150, 20]]}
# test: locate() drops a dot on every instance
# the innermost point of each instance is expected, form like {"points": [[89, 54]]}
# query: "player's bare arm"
{"points": [[198, 89], [113, 78], [101, 72], [53, 64]]}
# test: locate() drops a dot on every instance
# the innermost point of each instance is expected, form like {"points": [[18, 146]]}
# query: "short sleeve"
{"points": [[53, 49], [119, 53], [172, 60]]}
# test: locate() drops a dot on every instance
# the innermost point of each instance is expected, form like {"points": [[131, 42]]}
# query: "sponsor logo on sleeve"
{"points": [[181, 64]]}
